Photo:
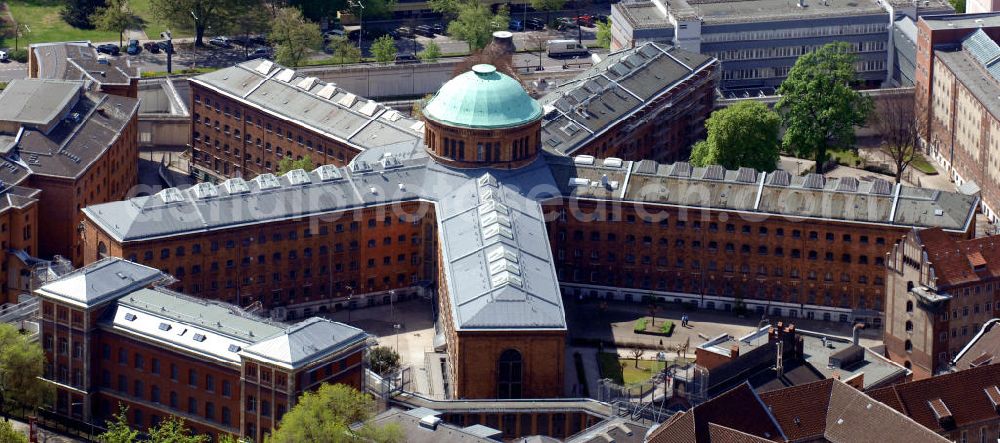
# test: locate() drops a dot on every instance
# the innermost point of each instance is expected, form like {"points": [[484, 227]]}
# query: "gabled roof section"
{"points": [[317, 105], [610, 91], [101, 281], [957, 262], [496, 258], [305, 342], [962, 394]]}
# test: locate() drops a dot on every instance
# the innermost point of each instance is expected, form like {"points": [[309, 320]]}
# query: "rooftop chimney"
{"points": [[856, 333]]}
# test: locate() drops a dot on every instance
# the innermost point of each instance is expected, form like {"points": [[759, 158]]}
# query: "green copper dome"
{"points": [[482, 98]]}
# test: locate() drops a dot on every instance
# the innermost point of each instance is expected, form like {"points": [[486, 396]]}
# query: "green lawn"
{"points": [[921, 164], [846, 157], [42, 16], [151, 24], [623, 371]]}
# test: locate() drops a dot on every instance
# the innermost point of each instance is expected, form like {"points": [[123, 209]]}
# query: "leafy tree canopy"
{"points": [[475, 23], [345, 50], [604, 33], [745, 134], [10, 435], [326, 416], [287, 164], [818, 106], [22, 363], [431, 52], [294, 36], [117, 16], [384, 49], [199, 15], [77, 13], [383, 360]]}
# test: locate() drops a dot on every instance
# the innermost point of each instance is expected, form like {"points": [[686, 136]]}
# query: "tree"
{"points": [[255, 20], [475, 24], [548, 6], [384, 49], [173, 430], [199, 15], [383, 360], [431, 52], [373, 9], [22, 365], [118, 429], [447, 8], [818, 106], [490, 55], [636, 354], [346, 51], [744, 134], [326, 415], [10, 435], [287, 164], [117, 16], [896, 121], [317, 10], [604, 33], [294, 36], [77, 13]]}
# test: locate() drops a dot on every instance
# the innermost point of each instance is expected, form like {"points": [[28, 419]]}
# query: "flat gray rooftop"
{"points": [[961, 21], [37, 102], [80, 61]]}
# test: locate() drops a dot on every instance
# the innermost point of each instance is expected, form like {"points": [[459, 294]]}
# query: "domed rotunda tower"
{"points": [[482, 118]]}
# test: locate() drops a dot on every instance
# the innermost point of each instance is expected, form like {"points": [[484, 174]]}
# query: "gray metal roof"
{"points": [[778, 193], [322, 107], [80, 61], [305, 342], [581, 109], [101, 281], [210, 328], [37, 102], [496, 257]]}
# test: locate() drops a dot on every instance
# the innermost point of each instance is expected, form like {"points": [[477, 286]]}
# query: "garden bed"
{"points": [[644, 326]]}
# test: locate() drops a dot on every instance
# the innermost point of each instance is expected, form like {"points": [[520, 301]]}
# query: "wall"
{"points": [[542, 353], [376, 81]]}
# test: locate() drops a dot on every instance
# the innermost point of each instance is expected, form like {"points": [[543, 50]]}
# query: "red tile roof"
{"points": [[983, 349], [955, 261], [963, 393], [801, 410]]}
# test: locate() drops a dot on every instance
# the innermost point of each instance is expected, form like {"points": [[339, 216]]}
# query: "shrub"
{"points": [[20, 55], [667, 327], [640, 325]]}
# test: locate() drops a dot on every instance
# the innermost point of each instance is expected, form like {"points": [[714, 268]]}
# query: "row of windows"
{"points": [[745, 269], [814, 31], [697, 225], [138, 363], [612, 256], [292, 254], [138, 390]]}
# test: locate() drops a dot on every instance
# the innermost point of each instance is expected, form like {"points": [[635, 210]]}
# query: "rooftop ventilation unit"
{"points": [[236, 185], [369, 108], [780, 178], [348, 100], [286, 75], [327, 91], [584, 160], [307, 83], [297, 177], [205, 190], [264, 67], [171, 195], [266, 181], [488, 180], [360, 166], [613, 162], [328, 173]]}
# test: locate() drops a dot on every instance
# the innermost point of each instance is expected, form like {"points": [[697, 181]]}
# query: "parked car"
{"points": [[424, 30], [565, 48], [515, 25], [133, 47], [564, 23], [404, 59], [331, 34], [152, 47], [404, 32], [534, 23], [4, 57], [221, 42], [438, 28], [585, 20], [166, 46], [259, 53], [109, 49]]}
